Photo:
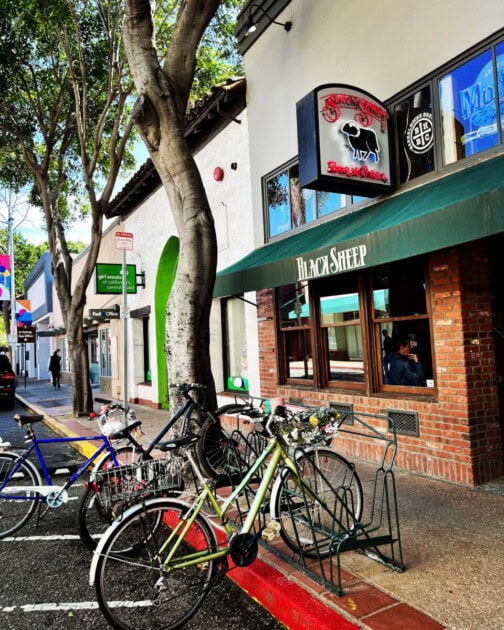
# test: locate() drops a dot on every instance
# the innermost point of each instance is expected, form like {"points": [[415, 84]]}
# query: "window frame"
{"points": [[283, 331], [373, 382], [287, 166]]}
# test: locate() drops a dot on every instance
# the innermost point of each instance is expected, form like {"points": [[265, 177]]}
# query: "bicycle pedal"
{"points": [[271, 530]]}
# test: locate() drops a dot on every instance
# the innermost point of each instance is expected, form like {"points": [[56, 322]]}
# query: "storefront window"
{"points": [[295, 331], [468, 108], [415, 132], [235, 345], [290, 207], [402, 329], [341, 330], [325, 336]]}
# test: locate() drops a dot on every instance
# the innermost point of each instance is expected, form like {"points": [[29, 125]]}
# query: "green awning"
{"points": [[455, 209]]}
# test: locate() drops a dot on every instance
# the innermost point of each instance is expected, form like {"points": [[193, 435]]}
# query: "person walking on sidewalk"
{"points": [[55, 368]]}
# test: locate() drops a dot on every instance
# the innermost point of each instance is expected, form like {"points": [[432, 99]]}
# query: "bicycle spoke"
{"points": [[134, 588]]}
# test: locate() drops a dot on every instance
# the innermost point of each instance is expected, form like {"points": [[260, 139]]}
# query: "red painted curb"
{"points": [[285, 600]]}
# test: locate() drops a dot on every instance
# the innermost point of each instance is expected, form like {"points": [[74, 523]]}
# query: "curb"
{"points": [[286, 601]]}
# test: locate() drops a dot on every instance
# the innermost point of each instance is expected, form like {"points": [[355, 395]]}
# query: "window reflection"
{"points": [[340, 319], [290, 207], [299, 356], [278, 204], [468, 109]]}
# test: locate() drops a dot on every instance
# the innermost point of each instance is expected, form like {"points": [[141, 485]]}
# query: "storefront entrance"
{"points": [[92, 350]]}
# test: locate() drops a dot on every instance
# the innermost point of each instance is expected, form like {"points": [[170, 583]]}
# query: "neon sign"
{"points": [[343, 142]]}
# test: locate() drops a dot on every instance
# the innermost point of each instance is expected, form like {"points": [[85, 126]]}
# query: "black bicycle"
{"points": [[95, 513]]}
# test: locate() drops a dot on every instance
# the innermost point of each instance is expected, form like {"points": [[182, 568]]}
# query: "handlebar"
{"points": [[105, 401]]}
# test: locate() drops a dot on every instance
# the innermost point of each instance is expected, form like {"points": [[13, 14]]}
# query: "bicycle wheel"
{"points": [[15, 512], [136, 590], [308, 522], [93, 516], [217, 446]]}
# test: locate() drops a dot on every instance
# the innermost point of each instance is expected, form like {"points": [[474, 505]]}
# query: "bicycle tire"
{"points": [[14, 513], [136, 591], [215, 441], [307, 525], [93, 518]]}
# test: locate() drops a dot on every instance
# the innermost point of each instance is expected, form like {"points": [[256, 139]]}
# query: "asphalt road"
{"points": [[45, 569]]}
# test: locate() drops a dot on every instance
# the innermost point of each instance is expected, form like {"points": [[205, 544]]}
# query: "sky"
{"points": [[33, 227]]}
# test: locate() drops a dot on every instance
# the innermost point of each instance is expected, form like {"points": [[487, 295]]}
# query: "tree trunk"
{"points": [[160, 118], [81, 387]]}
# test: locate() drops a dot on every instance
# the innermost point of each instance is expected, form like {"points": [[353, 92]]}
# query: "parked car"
{"points": [[7, 381]]}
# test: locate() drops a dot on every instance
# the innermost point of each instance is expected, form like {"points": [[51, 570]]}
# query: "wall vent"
{"points": [[406, 422]]}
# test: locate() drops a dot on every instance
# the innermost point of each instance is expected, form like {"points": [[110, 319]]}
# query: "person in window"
{"points": [[55, 368], [404, 366]]}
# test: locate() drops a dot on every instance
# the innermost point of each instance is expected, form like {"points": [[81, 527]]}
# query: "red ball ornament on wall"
{"points": [[218, 174]]}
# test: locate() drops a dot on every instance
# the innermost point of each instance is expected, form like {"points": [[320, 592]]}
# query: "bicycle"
{"points": [[155, 565], [21, 486], [95, 515]]}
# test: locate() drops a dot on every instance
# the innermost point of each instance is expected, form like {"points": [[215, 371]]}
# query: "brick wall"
{"points": [[459, 431]]}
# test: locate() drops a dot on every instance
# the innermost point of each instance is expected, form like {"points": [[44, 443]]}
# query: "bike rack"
{"points": [[333, 528], [376, 533]]}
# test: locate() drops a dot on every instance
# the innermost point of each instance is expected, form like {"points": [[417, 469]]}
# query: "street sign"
{"points": [[109, 278], [104, 313], [26, 334], [124, 240], [125, 311]]}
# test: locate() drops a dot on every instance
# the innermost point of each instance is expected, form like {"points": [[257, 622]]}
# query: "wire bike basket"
{"points": [[125, 485]]}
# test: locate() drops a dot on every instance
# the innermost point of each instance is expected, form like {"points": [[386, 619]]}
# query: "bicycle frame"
{"points": [[277, 453], [43, 491], [185, 410]]}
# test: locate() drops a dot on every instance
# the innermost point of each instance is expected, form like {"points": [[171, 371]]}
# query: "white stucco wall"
{"points": [[381, 47], [152, 225]]}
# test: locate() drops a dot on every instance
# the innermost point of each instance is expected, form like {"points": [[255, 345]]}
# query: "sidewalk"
{"points": [[452, 540]]}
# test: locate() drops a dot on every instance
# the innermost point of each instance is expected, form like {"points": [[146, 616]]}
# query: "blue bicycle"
{"points": [[21, 486]]}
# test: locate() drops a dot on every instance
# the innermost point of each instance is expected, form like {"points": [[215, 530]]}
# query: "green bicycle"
{"points": [[149, 575]]}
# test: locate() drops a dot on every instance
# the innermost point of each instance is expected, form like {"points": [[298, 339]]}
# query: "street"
{"points": [[45, 568]]}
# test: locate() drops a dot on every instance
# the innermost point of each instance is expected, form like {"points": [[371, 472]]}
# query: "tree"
{"points": [[164, 81], [64, 127], [65, 94]]}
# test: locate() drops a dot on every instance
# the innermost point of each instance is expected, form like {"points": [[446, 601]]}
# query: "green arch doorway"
{"points": [[164, 282]]}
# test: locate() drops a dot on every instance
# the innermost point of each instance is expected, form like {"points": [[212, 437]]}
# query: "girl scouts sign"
{"points": [[343, 142]]}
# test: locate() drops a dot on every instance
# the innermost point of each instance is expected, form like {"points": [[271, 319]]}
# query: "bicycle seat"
{"points": [[173, 444], [118, 435], [24, 420]]}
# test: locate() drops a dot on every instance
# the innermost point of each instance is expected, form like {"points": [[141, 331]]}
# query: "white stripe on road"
{"points": [[40, 538], [28, 608]]}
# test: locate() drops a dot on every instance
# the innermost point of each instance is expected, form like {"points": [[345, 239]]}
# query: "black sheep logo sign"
{"points": [[361, 141], [343, 141]]}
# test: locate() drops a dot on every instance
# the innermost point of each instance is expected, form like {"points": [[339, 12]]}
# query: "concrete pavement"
{"points": [[452, 541]]}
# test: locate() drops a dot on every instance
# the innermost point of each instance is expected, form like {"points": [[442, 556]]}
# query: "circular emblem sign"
{"points": [[420, 133]]}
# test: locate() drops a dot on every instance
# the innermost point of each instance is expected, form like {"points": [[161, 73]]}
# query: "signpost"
{"points": [[124, 242], [26, 334]]}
